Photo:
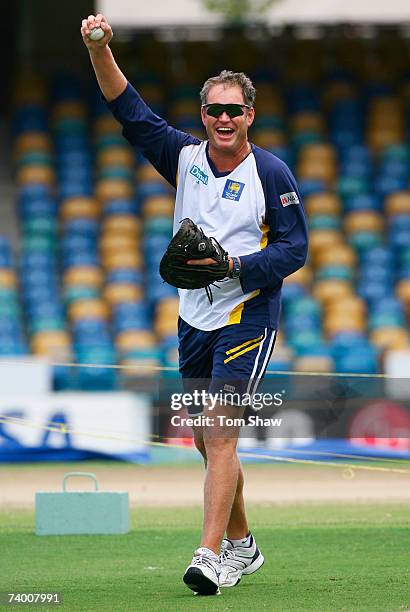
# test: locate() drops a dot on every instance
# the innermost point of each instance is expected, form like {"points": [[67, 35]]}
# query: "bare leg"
{"points": [[237, 527], [218, 447]]}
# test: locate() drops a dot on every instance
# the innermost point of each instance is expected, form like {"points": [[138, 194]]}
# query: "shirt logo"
{"points": [[289, 198], [199, 174], [233, 190]]}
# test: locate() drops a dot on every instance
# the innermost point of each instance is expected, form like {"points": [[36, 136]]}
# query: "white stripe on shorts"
{"points": [[256, 360], [254, 383]]}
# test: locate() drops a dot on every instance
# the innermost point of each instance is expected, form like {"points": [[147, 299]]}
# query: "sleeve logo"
{"points": [[233, 190], [289, 198]]}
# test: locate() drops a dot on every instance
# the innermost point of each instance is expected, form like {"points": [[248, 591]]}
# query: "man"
{"points": [[248, 200]]}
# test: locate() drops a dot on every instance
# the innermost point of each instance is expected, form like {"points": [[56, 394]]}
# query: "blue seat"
{"points": [[363, 360], [389, 305], [386, 184], [308, 187], [120, 206], [380, 255], [375, 273], [83, 227], [125, 275], [374, 290], [38, 208], [303, 342], [34, 191], [82, 258], [361, 201]]}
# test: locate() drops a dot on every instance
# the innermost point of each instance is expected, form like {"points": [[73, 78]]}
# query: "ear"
{"points": [[250, 116], [203, 116]]}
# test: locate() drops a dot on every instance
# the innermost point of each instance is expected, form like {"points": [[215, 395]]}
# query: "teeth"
{"points": [[224, 130]]}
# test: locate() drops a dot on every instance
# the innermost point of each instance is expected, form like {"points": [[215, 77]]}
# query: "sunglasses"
{"points": [[233, 110]]}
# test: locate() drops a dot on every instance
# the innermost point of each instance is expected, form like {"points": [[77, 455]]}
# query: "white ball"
{"points": [[96, 34]]}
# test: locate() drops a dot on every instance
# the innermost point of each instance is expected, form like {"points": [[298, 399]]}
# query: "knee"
{"points": [[220, 449]]}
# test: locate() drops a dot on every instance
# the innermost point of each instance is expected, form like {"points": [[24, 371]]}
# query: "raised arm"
{"points": [[111, 80], [158, 142]]}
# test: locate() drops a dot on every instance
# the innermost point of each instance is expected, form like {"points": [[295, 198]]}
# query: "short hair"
{"points": [[227, 77]]}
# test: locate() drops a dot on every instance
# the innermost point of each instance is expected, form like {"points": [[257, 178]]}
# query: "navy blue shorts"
{"points": [[231, 360]]}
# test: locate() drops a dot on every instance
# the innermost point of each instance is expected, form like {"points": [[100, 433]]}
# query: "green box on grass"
{"points": [[81, 512]]}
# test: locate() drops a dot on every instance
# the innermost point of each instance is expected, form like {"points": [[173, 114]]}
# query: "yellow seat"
{"points": [[268, 138], [398, 203], [112, 243], [350, 306], [83, 206], [319, 151], [88, 309], [126, 259], [403, 291], [118, 293], [317, 169], [145, 367], [107, 124], [336, 91], [167, 306], [303, 276], [29, 88], [123, 224], [343, 322], [146, 173], [8, 278], [152, 93], [116, 156], [183, 108], [307, 121], [331, 290], [326, 203], [53, 343], [340, 254], [91, 276], [158, 206], [166, 327], [69, 109], [36, 174], [132, 340], [392, 338], [363, 220], [313, 363], [32, 141], [324, 239], [379, 139], [111, 189]]}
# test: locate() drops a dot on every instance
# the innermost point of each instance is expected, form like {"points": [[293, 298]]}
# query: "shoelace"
{"points": [[205, 560], [227, 553]]}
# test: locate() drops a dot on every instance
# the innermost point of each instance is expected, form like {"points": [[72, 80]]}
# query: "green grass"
{"points": [[318, 557]]}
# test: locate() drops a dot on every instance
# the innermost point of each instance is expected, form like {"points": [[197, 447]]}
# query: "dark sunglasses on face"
{"points": [[233, 110]]}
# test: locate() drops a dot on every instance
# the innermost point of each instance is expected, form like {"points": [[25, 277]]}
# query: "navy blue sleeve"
{"points": [[286, 250], [157, 141]]}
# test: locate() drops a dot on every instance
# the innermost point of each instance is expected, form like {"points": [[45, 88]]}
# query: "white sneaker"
{"points": [[238, 560], [202, 575]]}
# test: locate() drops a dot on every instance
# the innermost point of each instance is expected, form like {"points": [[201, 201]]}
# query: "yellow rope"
{"points": [[63, 429], [130, 366]]}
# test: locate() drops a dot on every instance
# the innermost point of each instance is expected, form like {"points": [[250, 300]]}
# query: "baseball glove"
{"points": [[188, 243]]}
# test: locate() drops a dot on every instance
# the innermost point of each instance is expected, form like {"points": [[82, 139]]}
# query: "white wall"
{"points": [[131, 13]]}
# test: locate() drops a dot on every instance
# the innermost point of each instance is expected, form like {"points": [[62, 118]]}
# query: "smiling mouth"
{"points": [[224, 131]]}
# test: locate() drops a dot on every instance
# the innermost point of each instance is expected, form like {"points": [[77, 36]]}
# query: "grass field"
{"points": [[322, 558]]}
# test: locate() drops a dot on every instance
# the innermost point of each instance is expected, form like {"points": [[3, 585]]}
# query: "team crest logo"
{"points": [[233, 190], [199, 174]]}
